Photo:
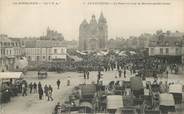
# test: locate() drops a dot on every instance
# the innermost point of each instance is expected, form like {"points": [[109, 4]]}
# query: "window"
{"points": [[12, 44], [161, 51], [8, 43], [7, 52], [177, 43], [166, 43], [167, 50], [37, 58], [55, 51], [152, 50], [49, 57], [5, 44], [29, 58], [43, 57], [177, 51]]}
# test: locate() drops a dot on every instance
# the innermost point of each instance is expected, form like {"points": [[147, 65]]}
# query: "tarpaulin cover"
{"points": [[114, 101], [88, 89], [166, 99], [86, 104], [136, 83]]}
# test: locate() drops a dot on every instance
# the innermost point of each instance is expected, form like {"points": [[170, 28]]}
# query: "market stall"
{"points": [[167, 103], [114, 103], [10, 85], [176, 90]]}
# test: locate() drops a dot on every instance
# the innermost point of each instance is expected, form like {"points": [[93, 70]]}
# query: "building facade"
{"points": [[93, 35], [169, 46], [10, 51], [58, 54], [44, 51]]}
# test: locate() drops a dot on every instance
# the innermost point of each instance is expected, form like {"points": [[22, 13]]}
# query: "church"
{"points": [[93, 35]]}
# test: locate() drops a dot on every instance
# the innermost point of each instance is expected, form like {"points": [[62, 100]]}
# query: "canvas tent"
{"points": [[114, 102]]}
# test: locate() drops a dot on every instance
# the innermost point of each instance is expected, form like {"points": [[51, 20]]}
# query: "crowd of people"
{"points": [[38, 88]]}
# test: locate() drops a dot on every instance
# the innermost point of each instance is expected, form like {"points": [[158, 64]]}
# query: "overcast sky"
{"points": [[123, 20]]}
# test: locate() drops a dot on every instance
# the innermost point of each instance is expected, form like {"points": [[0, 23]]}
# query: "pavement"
{"points": [[31, 104]]}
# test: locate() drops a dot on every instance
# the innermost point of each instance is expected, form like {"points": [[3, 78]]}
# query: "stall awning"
{"points": [[9, 75], [176, 88], [167, 99], [88, 89], [114, 101], [86, 104]]}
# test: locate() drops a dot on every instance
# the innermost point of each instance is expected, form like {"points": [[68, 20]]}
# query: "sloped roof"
{"points": [[44, 44]]}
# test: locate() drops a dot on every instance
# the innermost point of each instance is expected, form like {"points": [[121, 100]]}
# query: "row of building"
{"points": [[35, 50]]}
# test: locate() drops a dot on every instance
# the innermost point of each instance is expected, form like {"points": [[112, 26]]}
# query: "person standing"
{"points": [[124, 73], [84, 74], [58, 83], [120, 72], [68, 81], [35, 87], [57, 108], [40, 92], [30, 87], [87, 73], [50, 90], [39, 85], [46, 90], [24, 90]]}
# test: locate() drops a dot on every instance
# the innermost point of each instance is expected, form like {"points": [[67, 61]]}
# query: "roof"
{"points": [[44, 44], [171, 40], [114, 101], [8, 75], [166, 99]]}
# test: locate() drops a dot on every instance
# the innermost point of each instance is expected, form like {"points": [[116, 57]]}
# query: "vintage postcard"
{"points": [[91, 56]]}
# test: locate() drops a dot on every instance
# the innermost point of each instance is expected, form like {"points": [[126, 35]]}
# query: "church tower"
{"points": [[93, 35], [103, 33], [83, 35]]}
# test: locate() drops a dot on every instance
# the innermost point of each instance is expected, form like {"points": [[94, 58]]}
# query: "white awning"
{"points": [[176, 88], [167, 99], [114, 101], [86, 104], [8, 75]]}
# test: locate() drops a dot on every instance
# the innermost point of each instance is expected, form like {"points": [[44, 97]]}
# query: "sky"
{"points": [[123, 20]]}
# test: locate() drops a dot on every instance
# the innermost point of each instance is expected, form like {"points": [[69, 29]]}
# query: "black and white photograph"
{"points": [[91, 56]]}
